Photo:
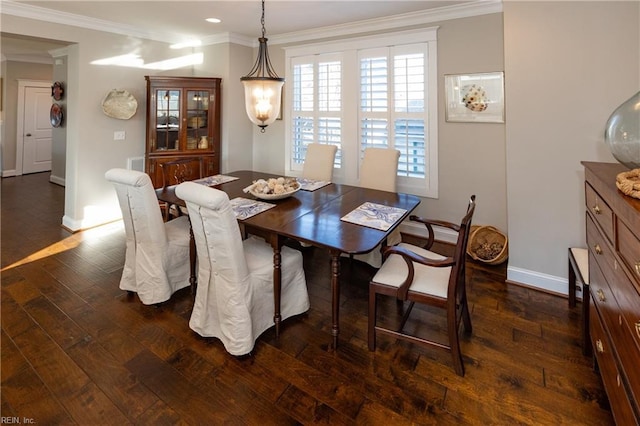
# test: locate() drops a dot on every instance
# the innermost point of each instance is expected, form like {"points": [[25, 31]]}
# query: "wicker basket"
{"points": [[487, 245]]}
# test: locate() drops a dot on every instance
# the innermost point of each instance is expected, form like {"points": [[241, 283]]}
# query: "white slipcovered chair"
{"points": [[234, 299], [157, 252], [379, 170], [318, 162]]}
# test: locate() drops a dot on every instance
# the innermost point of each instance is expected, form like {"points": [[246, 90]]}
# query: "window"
{"points": [[367, 92]]}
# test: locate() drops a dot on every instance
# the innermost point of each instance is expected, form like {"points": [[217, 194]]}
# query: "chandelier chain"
{"points": [[262, 20]]}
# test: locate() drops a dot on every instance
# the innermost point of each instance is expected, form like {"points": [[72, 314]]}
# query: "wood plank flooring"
{"points": [[77, 350]]}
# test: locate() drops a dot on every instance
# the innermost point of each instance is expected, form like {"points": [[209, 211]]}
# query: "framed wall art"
{"points": [[474, 98]]}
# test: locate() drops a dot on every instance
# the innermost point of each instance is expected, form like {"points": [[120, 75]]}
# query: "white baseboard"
{"points": [[538, 280], [441, 234], [57, 180], [8, 173]]}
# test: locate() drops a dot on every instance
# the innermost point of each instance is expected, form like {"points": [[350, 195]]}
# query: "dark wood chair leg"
{"points": [[587, 349], [454, 341], [372, 319], [572, 281], [466, 317]]}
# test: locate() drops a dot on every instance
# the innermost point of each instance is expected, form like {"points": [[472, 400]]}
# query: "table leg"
{"points": [[335, 296], [276, 244]]}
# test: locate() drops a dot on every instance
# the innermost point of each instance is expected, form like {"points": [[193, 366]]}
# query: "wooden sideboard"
{"points": [[613, 238]]}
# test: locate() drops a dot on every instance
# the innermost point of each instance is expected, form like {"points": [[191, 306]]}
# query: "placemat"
{"points": [[215, 180], [311, 184], [374, 215], [244, 208]]}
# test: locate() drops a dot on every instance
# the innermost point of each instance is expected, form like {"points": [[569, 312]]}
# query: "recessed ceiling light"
{"points": [[214, 20]]}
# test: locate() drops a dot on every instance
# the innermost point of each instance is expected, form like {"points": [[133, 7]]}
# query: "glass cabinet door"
{"points": [[167, 120], [197, 115]]}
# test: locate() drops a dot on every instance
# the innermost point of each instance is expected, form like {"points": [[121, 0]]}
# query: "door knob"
{"points": [[28, 134]]}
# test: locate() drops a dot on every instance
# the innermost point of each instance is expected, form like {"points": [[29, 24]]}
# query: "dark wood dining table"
{"points": [[312, 217]]}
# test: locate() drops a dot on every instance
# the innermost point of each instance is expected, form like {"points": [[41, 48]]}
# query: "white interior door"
{"points": [[37, 134]]}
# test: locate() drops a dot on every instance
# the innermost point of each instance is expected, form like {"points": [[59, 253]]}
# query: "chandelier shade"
{"points": [[262, 87]]}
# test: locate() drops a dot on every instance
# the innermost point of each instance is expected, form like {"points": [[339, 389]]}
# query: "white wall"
{"points": [[568, 65], [91, 150]]}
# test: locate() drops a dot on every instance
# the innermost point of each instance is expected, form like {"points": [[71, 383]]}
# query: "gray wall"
{"points": [[567, 66], [471, 155], [90, 147], [59, 134]]}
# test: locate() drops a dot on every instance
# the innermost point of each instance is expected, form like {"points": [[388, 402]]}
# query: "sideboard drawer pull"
{"points": [[638, 328], [597, 248], [601, 296], [596, 209], [637, 268], [599, 346]]}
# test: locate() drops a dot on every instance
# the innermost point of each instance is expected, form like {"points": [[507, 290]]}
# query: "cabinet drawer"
{"points": [[613, 380], [601, 293], [600, 211], [628, 300], [599, 248], [623, 334], [629, 248]]}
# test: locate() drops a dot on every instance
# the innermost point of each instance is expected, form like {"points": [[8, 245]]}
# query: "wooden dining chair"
{"points": [[319, 161], [175, 172], [157, 252], [235, 295], [420, 275], [379, 170]]}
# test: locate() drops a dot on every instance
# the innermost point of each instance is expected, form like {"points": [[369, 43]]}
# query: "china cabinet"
{"points": [[183, 121]]}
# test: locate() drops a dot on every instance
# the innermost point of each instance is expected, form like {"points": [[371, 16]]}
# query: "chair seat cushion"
{"points": [[427, 279], [581, 256]]}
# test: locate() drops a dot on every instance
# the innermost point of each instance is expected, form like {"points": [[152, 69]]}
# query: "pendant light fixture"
{"points": [[262, 87]]}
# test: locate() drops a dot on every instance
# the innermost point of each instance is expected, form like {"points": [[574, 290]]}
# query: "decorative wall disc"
{"points": [[57, 91], [119, 104], [56, 115]]}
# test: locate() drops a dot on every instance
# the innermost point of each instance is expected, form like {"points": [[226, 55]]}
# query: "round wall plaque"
{"points": [[56, 115], [119, 104]]}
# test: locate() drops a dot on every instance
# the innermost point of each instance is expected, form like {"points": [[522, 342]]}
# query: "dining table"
{"points": [[313, 217]]}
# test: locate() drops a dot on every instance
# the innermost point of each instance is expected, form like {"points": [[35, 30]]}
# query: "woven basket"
{"points": [[487, 245]]}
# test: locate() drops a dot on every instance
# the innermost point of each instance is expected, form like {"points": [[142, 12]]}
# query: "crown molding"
{"points": [[32, 59], [477, 8], [230, 38], [43, 14], [56, 53], [480, 7]]}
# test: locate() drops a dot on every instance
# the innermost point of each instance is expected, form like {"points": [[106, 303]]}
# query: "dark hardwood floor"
{"points": [[77, 350]]}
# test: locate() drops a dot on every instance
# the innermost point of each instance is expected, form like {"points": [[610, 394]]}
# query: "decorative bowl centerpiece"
{"points": [[273, 188]]}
